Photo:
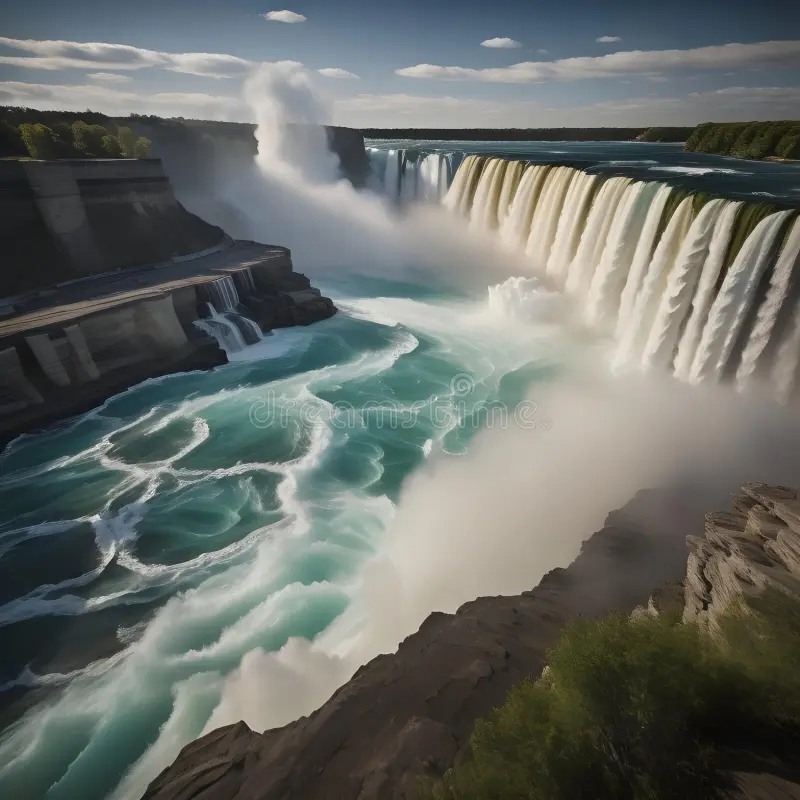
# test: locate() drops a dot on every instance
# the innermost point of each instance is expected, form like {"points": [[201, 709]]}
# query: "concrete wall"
{"points": [[62, 220]]}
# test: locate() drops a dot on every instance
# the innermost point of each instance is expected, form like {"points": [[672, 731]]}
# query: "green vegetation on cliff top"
{"points": [[747, 139], [641, 710]]}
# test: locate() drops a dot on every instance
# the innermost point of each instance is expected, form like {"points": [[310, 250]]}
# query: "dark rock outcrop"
{"points": [[411, 713]]}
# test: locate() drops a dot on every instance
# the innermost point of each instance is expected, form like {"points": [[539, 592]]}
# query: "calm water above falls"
{"points": [[148, 546]]}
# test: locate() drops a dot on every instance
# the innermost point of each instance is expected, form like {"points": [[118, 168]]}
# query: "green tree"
{"points": [[111, 147], [789, 146], [142, 148], [127, 142], [699, 133], [11, 144], [39, 140], [88, 139]]}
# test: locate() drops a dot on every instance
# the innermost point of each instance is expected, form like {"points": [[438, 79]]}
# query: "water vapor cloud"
{"points": [[289, 17]]}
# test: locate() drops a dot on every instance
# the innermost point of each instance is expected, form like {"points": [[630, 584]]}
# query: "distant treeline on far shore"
{"points": [[532, 134], [747, 139]]}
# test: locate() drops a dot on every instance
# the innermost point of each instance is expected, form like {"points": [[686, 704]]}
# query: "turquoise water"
{"points": [[149, 545]]}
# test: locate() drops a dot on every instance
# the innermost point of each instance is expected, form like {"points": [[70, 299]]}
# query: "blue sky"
{"points": [[415, 62]]}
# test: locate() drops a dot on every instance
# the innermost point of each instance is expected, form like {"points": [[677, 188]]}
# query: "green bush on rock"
{"points": [[637, 710]]}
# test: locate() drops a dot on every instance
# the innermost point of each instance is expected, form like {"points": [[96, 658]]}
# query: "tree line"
{"points": [[46, 139], [779, 139]]}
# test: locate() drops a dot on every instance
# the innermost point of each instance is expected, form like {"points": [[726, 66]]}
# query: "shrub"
{"points": [[637, 710]]}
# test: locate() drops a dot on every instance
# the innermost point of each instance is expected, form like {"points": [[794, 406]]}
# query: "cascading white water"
{"points": [[647, 270], [681, 284], [511, 180], [769, 312], [731, 305], [484, 212], [609, 279], [391, 179], [590, 249], [546, 215], [641, 257], [516, 227], [231, 330], [653, 286], [571, 224], [223, 293], [706, 289]]}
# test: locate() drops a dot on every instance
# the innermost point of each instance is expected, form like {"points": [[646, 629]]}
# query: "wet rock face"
{"points": [[411, 713]]}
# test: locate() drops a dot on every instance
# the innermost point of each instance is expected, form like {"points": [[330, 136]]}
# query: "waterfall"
{"points": [[592, 244], [769, 312], [706, 287], [641, 257], [516, 227], [571, 224], [681, 285], [485, 204], [513, 175], [733, 301], [391, 178], [223, 293], [545, 218], [610, 277], [232, 331]]}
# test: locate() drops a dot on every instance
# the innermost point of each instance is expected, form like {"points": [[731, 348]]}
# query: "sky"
{"points": [[415, 63]]}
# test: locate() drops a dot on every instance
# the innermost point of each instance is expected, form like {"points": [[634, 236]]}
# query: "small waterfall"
{"points": [[733, 301], [681, 280], [223, 293], [232, 331]]}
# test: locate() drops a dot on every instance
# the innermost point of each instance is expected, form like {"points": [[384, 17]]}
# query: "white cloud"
{"points": [[111, 77], [284, 16], [335, 72], [56, 54], [116, 102], [502, 43], [542, 51], [756, 55], [722, 105], [607, 39]]}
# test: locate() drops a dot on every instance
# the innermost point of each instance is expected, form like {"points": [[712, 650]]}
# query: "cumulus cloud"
{"points": [[542, 51], [502, 43], [608, 39], [284, 16], [111, 77], [116, 102], [57, 54], [773, 54], [335, 72]]}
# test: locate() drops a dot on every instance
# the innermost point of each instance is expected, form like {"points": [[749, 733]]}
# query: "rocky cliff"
{"points": [[411, 713]]}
